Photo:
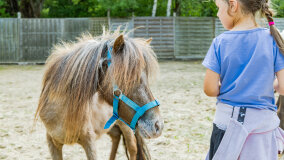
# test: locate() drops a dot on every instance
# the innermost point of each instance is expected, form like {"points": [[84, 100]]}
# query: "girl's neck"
{"points": [[245, 22]]}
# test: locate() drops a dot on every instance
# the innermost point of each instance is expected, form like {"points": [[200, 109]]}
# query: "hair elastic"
{"points": [[271, 23]]}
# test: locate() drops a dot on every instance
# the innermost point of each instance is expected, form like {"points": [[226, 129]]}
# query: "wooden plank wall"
{"points": [[193, 36], [30, 40], [279, 22], [9, 40], [161, 30], [37, 37], [96, 25], [75, 27], [122, 23]]}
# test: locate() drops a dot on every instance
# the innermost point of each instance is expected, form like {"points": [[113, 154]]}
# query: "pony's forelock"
{"points": [[127, 66]]}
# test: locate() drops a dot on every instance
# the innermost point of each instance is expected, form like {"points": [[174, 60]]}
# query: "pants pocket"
{"points": [[216, 138]]}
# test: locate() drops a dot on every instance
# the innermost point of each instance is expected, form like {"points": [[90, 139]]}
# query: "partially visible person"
{"points": [[242, 64]]}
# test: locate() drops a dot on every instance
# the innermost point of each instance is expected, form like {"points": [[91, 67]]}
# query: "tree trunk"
{"points": [[12, 7], [154, 8], [177, 8], [169, 8], [31, 8]]}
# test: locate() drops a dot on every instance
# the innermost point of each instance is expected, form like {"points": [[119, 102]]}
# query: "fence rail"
{"points": [[30, 40]]}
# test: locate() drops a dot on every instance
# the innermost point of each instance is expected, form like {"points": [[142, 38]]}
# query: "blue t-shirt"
{"points": [[247, 62]]}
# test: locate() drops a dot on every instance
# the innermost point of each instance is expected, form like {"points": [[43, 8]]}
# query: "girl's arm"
{"points": [[279, 82], [212, 83]]}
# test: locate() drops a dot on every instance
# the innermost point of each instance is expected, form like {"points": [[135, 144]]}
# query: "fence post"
{"points": [[108, 18], [174, 32], [63, 29], [132, 26], [20, 38]]}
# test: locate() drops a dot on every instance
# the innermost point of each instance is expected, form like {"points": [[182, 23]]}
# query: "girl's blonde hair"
{"points": [[253, 6]]}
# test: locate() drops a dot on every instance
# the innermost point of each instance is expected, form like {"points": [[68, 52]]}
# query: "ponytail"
{"points": [[273, 30]]}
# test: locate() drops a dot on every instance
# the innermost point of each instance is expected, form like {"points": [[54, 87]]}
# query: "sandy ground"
{"points": [[187, 112]]}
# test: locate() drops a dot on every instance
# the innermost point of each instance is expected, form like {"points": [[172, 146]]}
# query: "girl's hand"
{"points": [[212, 83], [275, 85]]}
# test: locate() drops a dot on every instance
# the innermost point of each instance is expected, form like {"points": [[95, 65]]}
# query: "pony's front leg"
{"points": [[130, 140], [55, 148], [115, 135], [88, 143]]}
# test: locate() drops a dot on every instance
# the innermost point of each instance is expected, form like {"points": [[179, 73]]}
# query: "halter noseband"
{"points": [[139, 110]]}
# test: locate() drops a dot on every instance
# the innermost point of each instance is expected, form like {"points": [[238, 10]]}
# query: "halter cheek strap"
{"points": [[139, 110], [109, 50]]}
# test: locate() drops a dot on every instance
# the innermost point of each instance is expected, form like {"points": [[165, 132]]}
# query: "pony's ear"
{"points": [[149, 40], [118, 44]]}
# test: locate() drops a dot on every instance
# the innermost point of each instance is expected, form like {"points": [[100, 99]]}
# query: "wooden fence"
{"points": [[193, 36], [9, 40], [161, 29], [30, 40]]}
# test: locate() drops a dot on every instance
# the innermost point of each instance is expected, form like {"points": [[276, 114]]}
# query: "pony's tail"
{"points": [[274, 31], [43, 99], [36, 117], [41, 104]]}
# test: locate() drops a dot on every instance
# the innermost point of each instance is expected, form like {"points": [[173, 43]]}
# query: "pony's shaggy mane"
{"points": [[72, 74]]}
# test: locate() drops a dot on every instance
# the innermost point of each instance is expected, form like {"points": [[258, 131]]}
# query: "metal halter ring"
{"points": [[120, 92]]}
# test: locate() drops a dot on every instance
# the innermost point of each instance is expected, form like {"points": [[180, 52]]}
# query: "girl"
{"points": [[241, 67]]}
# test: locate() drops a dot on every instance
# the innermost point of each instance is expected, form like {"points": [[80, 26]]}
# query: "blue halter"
{"points": [[139, 110]]}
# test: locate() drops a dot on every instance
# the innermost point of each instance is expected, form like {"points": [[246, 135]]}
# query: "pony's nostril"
{"points": [[157, 126]]}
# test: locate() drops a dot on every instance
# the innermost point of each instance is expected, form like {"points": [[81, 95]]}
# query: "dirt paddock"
{"points": [[186, 110]]}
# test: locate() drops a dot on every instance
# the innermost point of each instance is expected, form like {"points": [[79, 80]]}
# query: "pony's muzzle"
{"points": [[151, 128]]}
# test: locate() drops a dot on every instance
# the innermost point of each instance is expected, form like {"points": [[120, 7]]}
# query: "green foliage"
{"points": [[197, 8], [3, 6], [119, 8], [73, 8], [145, 7], [278, 6], [125, 8], [99, 8]]}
